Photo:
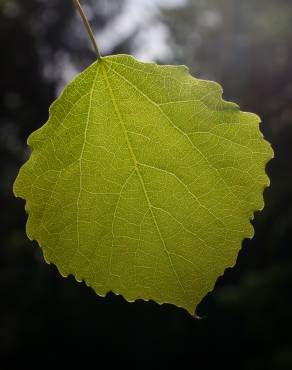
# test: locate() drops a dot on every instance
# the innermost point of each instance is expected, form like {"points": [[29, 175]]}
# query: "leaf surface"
{"points": [[144, 181]]}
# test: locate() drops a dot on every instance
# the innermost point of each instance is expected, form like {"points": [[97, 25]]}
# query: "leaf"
{"points": [[144, 181]]}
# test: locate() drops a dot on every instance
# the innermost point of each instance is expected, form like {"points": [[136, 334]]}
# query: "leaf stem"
{"points": [[88, 27]]}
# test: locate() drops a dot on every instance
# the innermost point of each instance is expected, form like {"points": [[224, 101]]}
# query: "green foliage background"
{"points": [[247, 320]]}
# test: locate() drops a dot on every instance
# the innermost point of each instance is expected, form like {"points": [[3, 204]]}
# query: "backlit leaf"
{"points": [[144, 181]]}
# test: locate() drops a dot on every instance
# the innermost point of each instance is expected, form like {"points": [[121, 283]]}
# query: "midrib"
{"points": [[136, 166]]}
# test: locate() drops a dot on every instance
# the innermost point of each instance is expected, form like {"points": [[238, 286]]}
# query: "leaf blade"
{"points": [[154, 163]]}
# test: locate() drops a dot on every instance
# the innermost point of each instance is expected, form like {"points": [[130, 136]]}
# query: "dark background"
{"points": [[47, 321]]}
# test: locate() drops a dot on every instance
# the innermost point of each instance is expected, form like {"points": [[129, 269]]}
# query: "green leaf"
{"points": [[144, 181]]}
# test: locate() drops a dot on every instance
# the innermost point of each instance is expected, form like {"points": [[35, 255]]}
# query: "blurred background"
{"points": [[47, 321]]}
